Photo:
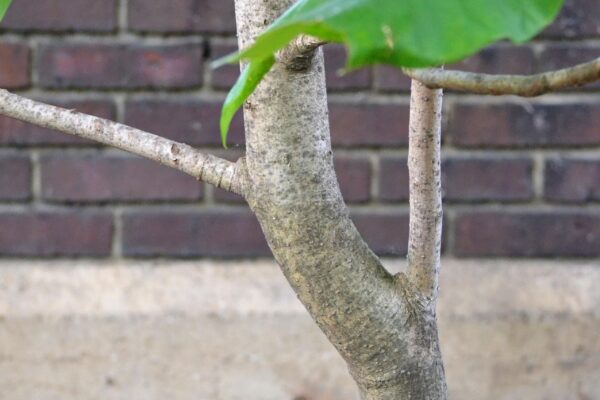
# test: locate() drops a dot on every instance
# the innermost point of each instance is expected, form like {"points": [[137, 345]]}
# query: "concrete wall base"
{"points": [[228, 331]]}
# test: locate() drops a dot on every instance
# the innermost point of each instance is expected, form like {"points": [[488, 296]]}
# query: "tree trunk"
{"points": [[384, 326], [381, 324]]}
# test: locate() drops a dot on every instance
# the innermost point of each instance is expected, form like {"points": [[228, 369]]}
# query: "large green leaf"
{"points": [[4, 4], [405, 33]]}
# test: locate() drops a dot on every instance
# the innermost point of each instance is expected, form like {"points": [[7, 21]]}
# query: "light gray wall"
{"points": [[224, 331]]}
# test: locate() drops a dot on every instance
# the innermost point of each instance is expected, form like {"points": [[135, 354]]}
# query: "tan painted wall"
{"points": [[217, 331]]}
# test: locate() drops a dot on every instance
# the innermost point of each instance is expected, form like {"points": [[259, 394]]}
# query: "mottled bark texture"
{"points": [[380, 324]]}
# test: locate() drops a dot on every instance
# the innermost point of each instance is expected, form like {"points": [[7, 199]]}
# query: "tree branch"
{"points": [[202, 166], [425, 231], [298, 55], [519, 85]]}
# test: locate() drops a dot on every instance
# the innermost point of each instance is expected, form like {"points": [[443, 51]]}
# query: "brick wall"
{"points": [[521, 178]]}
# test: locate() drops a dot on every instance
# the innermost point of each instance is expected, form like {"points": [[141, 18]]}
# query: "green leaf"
{"points": [[4, 4], [402, 33], [407, 33], [243, 88]]}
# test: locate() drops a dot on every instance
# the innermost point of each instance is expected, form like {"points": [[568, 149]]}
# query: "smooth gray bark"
{"points": [[425, 183], [380, 324]]}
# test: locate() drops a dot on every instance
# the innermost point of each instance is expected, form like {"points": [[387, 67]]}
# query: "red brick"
{"points": [[530, 125], [337, 80], [390, 79], [558, 234], [578, 18], [464, 180], [179, 16], [195, 122], [557, 56], [93, 179], [62, 15], [223, 78], [45, 234], [500, 59], [563, 55], [193, 234], [17, 133], [15, 66], [572, 181], [487, 179], [393, 179], [15, 178], [354, 177], [106, 66], [367, 124], [223, 196], [386, 233]]}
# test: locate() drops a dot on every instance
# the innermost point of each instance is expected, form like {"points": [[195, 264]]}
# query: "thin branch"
{"points": [[425, 231], [519, 85], [202, 166]]}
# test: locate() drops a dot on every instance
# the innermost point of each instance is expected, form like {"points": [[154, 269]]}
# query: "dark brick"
{"points": [[337, 80], [557, 56], [578, 18], [194, 234], [223, 78], [390, 79], [354, 177], [500, 59], [367, 124], [223, 196], [44, 234], [386, 233], [15, 66], [15, 178], [393, 179], [572, 181], [106, 66], [14, 132], [62, 15], [180, 16], [195, 122], [563, 55], [486, 179], [112, 178], [464, 180], [494, 234], [530, 125]]}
